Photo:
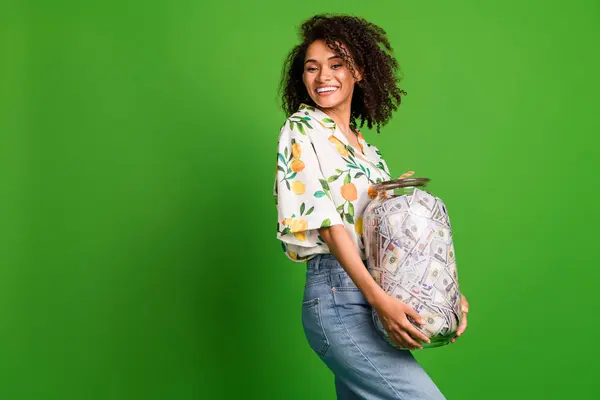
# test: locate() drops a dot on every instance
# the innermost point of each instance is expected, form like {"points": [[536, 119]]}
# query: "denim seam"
{"points": [[364, 355], [327, 343]]}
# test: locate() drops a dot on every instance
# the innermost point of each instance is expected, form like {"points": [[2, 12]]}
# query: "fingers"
{"points": [[398, 340], [414, 315], [402, 339], [405, 336], [464, 308], [464, 304], [414, 332], [412, 344], [462, 327]]}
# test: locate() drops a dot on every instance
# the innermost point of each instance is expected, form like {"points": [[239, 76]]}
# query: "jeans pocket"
{"points": [[313, 326]]}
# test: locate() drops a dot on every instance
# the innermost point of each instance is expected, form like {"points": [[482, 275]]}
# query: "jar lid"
{"points": [[401, 183]]}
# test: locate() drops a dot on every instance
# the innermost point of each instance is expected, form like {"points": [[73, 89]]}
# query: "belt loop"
{"points": [[316, 264]]}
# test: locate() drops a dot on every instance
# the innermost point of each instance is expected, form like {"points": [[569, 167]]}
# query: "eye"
{"points": [[336, 66], [310, 69]]}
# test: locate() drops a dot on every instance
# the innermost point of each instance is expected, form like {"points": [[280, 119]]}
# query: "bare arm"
{"points": [[342, 247], [392, 312]]}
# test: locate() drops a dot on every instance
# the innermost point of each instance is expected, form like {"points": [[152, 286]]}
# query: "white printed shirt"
{"points": [[321, 180]]}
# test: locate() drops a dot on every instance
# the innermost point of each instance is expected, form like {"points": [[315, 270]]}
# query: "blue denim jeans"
{"points": [[338, 324]]}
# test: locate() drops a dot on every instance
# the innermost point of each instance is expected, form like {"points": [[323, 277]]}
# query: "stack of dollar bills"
{"points": [[410, 253]]}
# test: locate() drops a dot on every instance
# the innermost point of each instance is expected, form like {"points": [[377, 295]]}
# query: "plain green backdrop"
{"points": [[138, 257]]}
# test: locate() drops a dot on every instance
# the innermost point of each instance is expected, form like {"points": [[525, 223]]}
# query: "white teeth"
{"points": [[326, 89]]}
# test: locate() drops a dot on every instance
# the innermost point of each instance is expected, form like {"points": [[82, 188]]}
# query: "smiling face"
{"points": [[328, 80]]}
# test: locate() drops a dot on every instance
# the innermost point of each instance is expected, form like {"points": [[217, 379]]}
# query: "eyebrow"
{"points": [[313, 60]]}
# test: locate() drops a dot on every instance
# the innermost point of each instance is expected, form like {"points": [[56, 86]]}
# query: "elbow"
{"points": [[328, 232]]}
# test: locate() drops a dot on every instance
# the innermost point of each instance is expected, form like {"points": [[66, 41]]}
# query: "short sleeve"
{"points": [[301, 192]]}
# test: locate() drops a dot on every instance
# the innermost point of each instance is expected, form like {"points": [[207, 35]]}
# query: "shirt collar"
{"points": [[329, 124]]}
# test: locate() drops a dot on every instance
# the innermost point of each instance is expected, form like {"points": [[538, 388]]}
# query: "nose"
{"points": [[324, 74]]}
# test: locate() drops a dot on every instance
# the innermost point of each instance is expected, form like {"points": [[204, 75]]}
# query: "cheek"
{"points": [[346, 79], [304, 80]]}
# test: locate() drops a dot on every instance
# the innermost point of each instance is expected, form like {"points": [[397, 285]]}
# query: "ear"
{"points": [[358, 76]]}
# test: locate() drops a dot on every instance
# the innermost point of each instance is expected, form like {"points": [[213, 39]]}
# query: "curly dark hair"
{"points": [[376, 96]]}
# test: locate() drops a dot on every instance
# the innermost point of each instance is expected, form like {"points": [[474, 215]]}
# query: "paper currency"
{"points": [[410, 254]]}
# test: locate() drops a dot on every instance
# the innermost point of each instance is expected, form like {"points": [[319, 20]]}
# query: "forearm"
{"points": [[341, 246]]}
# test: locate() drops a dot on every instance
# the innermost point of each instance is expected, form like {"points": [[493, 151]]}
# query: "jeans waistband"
{"points": [[324, 262]]}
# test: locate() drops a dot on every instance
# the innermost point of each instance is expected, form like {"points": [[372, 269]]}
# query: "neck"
{"points": [[340, 115]]}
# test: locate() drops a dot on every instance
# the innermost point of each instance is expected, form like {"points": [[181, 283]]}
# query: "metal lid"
{"points": [[401, 183]]}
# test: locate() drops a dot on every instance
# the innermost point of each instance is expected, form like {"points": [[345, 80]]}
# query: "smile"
{"points": [[326, 91]]}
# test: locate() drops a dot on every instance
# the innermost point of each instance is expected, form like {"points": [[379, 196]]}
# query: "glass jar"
{"points": [[410, 254]]}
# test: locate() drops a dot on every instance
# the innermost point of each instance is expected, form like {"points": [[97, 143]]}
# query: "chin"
{"points": [[327, 103]]}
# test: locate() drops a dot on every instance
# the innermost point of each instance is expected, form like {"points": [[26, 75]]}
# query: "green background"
{"points": [[138, 257]]}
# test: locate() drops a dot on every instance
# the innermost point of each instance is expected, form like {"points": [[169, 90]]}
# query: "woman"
{"points": [[339, 75]]}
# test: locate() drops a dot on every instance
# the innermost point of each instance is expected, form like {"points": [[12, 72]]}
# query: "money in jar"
{"points": [[410, 254]]}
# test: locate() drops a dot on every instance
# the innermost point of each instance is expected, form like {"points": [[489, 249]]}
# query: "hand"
{"points": [[394, 317], [464, 307]]}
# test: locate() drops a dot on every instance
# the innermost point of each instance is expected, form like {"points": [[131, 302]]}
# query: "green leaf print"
{"points": [[332, 178], [352, 166], [285, 153], [286, 230], [281, 157], [358, 175], [301, 128], [340, 208], [310, 210], [291, 153], [349, 218], [324, 184], [292, 176], [351, 209], [280, 168], [326, 222], [305, 122], [288, 185], [347, 179], [328, 120], [302, 207], [319, 194], [307, 107]]}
